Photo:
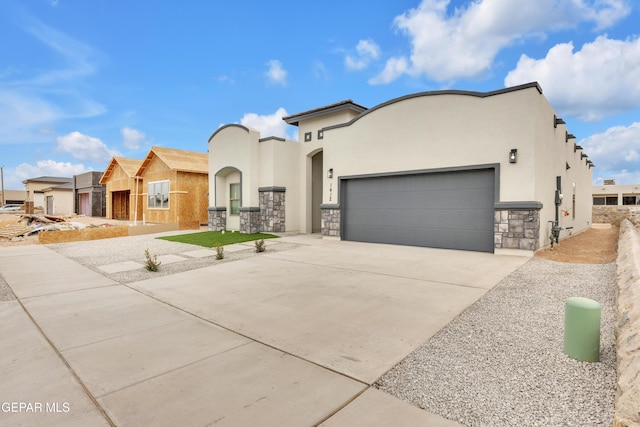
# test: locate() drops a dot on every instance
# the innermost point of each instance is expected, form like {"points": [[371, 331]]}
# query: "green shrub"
{"points": [[152, 263], [219, 252]]}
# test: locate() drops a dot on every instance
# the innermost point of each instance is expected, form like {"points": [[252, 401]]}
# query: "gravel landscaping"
{"points": [[501, 362], [96, 253]]}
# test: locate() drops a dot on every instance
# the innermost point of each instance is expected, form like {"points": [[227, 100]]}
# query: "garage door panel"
{"points": [[446, 210]]}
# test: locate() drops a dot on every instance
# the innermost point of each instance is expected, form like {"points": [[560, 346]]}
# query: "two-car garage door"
{"points": [[452, 210]]}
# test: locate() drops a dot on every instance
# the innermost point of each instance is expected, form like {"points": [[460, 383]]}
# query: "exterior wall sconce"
{"points": [[330, 173], [513, 155]]}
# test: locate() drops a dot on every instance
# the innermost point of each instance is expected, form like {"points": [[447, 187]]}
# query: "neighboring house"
{"points": [[16, 197], [59, 199], [89, 194], [34, 188], [123, 189], [614, 203], [485, 171], [611, 194], [175, 187]]}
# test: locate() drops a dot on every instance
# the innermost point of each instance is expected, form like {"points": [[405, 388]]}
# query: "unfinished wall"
{"points": [[627, 400]]}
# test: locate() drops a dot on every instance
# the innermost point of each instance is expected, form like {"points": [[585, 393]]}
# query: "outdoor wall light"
{"points": [[513, 155], [330, 173]]}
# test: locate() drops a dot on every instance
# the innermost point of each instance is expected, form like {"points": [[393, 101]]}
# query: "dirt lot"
{"points": [[11, 219], [594, 246]]}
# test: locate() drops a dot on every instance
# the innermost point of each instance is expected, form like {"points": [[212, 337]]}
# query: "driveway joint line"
{"points": [[71, 290], [75, 347], [211, 356], [271, 346], [91, 397], [382, 274], [343, 405]]}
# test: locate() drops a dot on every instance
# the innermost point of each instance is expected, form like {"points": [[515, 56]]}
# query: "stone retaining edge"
{"points": [[627, 398]]}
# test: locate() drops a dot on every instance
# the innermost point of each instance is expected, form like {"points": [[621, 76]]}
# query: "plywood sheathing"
{"points": [[187, 173]]}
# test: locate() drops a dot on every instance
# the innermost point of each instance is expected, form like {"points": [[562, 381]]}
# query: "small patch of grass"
{"points": [[210, 239]]}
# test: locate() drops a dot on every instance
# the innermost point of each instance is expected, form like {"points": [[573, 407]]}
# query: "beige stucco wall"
{"points": [[552, 154], [280, 167], [62, 202], [235, 146], [619, 190]]}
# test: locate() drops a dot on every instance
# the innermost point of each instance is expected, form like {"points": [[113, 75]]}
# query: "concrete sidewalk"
{"points": [[289, 338]]}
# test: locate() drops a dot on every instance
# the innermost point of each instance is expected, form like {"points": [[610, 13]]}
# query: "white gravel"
{"points": [[6, 294], [501, 362]]}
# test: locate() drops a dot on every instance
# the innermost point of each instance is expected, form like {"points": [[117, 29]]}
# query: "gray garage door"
{"points": [[452, 210]]}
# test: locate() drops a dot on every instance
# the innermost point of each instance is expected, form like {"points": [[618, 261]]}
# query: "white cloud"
{"points": [[601, 79], [367, 51], [615, 153], [463, 43], [15, 176], [276, 74], [84, 147], [268, 125], [320, 71], [133, 138]]}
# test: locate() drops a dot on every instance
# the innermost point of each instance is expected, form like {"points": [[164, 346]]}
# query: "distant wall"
{"points": [[616, 214], [628, 327]]}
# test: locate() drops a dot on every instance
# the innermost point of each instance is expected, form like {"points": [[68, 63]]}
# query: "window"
{"points": [[158, 195], [234, 199], [631, 200], [605, 200]]}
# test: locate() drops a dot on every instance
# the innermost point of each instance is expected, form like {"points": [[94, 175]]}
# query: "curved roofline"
{"points": [[440, 92], [228, 126]]}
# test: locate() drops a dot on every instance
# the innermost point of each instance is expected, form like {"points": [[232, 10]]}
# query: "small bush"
{"points": [[152, 263], [260, 247], [219, 252]]}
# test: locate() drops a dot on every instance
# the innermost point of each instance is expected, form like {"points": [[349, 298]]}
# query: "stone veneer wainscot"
{"points": [[517, 226], [330, 220], [272, 209]]}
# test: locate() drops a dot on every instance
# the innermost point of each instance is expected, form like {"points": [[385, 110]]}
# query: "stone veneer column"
{"points": [[272, 209], [250, 220], [330, 220], [517, 227], [217, 218]]}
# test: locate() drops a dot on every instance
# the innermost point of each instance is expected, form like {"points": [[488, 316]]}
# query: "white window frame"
{"points": [[234, 199], [158, 194]]}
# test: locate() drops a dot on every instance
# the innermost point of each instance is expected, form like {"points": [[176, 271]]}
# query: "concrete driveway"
{"points": [[283, 338]]}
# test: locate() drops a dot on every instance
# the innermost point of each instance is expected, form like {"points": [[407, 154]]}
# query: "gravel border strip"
{"points": [[501, 362]]}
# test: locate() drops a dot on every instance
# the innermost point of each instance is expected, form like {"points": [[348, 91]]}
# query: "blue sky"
{"points": [[82, 81]]}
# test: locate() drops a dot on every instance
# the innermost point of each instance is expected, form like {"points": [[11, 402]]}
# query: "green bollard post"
{"points": [[582, 329]]}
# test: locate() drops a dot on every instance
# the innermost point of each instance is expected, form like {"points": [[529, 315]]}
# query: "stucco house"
{"points": [[123, 189], [484, 171], [58, 199], [35, 195], [610, 193], [175, 187]]}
